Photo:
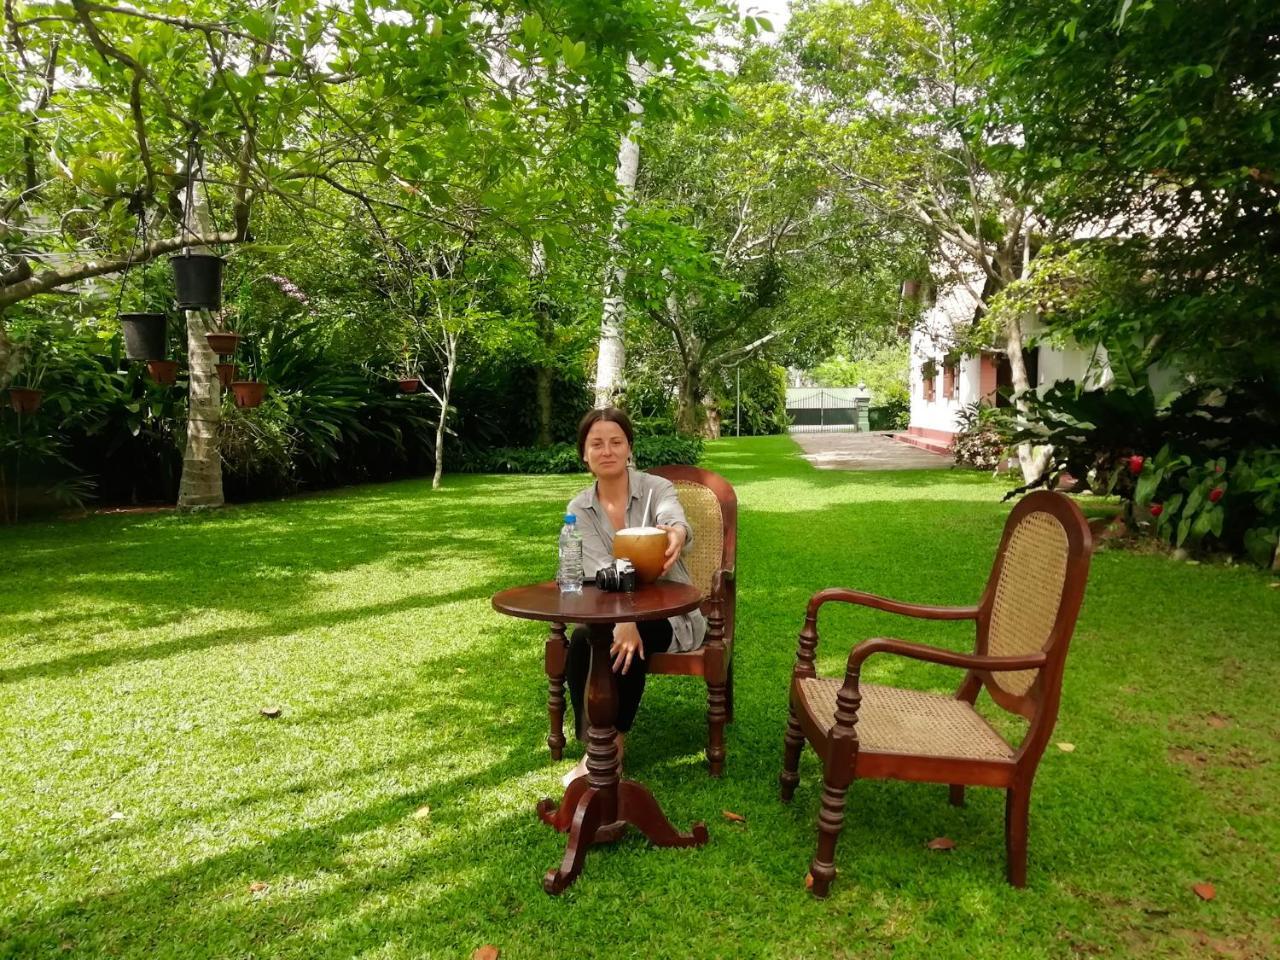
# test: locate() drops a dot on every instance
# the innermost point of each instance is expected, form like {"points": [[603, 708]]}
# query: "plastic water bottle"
{"points": [[569, 573]]}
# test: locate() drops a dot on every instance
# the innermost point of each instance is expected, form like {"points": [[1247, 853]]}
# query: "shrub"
{"points": [[981, 440], [258, 447], [563, 457], [1235, 506]]}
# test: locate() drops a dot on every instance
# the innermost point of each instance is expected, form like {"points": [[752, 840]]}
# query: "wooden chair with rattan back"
{"points": [[711, 507], [1024, 623]]}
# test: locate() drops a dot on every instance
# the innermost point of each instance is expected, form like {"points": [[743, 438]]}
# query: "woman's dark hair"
{"points": [[605, 415]]}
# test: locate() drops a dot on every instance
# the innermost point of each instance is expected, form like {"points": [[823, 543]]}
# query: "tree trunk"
{"points": [[1033, 460], [451, 362], [8, 358], [689, 418], [611, 356], [547, 334], [543, 391], [711, 426], [201, 483]]}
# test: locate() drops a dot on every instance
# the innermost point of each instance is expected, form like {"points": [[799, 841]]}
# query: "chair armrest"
{"points": [[949, 658], [918, 610], [722, 578]]}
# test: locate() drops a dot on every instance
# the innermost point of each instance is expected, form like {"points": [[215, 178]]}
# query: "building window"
{"points": [[950, 372], [928, 378]]}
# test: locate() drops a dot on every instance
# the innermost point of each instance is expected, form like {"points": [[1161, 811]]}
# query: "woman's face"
{"points": [[606, 450]]}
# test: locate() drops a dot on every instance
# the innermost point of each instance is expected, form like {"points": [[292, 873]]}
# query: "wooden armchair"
{"points": [[711, 507], [1024, 623]]}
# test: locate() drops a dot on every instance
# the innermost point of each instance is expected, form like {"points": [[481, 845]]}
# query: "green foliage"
{"points": [[1159, 119]]}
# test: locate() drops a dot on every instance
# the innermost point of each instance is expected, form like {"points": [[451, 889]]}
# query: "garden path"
{"points": [[865, 451]]}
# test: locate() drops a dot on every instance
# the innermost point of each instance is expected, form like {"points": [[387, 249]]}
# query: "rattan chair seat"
{"points": [[910, 722]]}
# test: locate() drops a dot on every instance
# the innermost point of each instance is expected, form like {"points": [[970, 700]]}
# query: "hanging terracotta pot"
{"points": [[248, 393], [910, 289], [226, 373], [408, 385], [144, 335], [163, 372], [223, 344], [197, 279], [25, 399]]}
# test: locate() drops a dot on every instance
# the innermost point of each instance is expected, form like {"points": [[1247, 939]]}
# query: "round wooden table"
{"points": [[598, 807]]}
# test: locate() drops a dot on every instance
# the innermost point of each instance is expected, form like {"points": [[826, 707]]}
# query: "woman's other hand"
{"points": [[676, 536], [625, 647]]}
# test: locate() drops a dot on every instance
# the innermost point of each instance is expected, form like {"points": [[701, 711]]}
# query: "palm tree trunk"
{"points": [[201, 483]]}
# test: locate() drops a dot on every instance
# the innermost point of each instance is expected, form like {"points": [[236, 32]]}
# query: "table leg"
{"points": [[597, 808]]}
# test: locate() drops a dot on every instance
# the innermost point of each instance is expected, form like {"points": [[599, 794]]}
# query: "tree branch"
{"points": [[51, 279]]}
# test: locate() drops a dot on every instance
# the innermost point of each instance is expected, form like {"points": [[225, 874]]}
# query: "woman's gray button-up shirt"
{"points": [[664, 509]]}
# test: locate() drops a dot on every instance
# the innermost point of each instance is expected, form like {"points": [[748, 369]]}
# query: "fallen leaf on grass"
{"points": [[734, 817], [271, 712], [808, 881], [941, 843], [259, 887], [422, 813], [1217, 721], [116, 815], [487, 952], [1204, 891], [66, 945], [1067, 747]]}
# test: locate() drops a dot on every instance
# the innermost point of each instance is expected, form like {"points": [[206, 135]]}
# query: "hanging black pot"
{"points": [[197, 278], [144, 335]]}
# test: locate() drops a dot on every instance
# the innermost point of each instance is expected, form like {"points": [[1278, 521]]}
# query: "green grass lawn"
{"points": [[389, 811]]}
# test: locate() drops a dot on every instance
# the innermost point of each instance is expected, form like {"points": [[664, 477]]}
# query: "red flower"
{"points": [[1157, 509], [1217, 468], [1216, 493], [1135, 464]]}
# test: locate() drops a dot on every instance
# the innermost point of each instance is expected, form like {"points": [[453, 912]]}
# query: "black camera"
{"points": [[619, 578]]}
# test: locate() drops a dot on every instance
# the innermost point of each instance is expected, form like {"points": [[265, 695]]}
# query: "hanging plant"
{"points": [[163, 372], [248, 393], [25, 400], [144, 335], [197, 277], [26, 396], [406, 373], [223, 343]]}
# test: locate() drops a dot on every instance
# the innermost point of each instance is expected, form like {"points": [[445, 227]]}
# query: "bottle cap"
{"points": [[570, 518]]}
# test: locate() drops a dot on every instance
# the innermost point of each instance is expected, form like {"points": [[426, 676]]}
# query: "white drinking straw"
{"points": [[647, 500]]}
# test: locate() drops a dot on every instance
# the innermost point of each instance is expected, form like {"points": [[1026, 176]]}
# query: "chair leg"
{"points": [[830, 823], [957, 795], [1016, 807], [792, 744], [556, 650], [716, 716], [728, 699]]}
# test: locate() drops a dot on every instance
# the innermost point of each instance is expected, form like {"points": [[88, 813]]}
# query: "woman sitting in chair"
{"points": [[624, 497]]}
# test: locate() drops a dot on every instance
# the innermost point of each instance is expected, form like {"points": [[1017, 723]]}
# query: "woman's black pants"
{"points": [[655, 636]]}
